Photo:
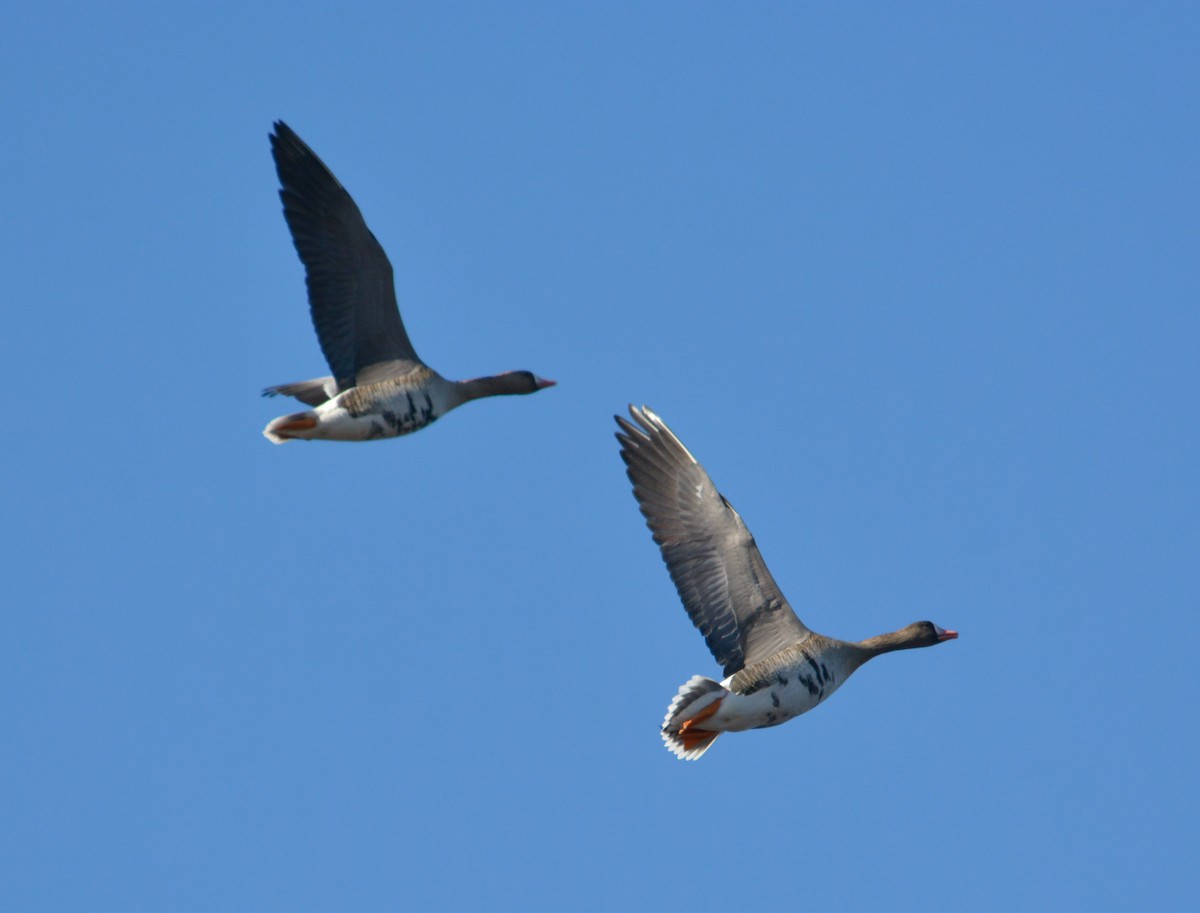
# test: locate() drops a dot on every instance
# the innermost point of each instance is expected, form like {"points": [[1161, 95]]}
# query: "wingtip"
{"points": [[645, 416], [649, 426], [629, 432]]}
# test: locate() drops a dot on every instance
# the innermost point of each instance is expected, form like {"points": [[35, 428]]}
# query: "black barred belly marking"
{"points": [[799, 670], [395, 422]]}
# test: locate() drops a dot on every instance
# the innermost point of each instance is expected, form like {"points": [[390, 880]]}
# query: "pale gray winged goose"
{"points": [[379, 387], [775, 667]]}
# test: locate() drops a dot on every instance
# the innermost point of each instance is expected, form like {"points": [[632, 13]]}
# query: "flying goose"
{"points": [[775, 667], [379, 387]]}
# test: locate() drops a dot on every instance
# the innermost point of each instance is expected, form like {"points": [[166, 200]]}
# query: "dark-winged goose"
{"points": [[775, 667], [379, 387]]}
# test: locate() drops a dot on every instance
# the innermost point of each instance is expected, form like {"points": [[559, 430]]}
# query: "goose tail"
{"points": [[289, 427], [683, 727]]}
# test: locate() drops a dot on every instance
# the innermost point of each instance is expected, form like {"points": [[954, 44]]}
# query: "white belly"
{"points": [[347, 418], [790, 695]]}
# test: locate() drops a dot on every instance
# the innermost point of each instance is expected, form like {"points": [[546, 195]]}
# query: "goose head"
{"points": [[917, 634]]}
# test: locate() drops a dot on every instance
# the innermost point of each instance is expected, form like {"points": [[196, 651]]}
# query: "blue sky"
{"points": [[918, 285]]}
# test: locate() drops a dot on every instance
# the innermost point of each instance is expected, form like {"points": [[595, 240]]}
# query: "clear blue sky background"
{"points": [[917, 283]]}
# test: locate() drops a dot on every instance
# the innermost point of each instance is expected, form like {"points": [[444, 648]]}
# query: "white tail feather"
{"points": [[290, 427], [694, 697]]}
